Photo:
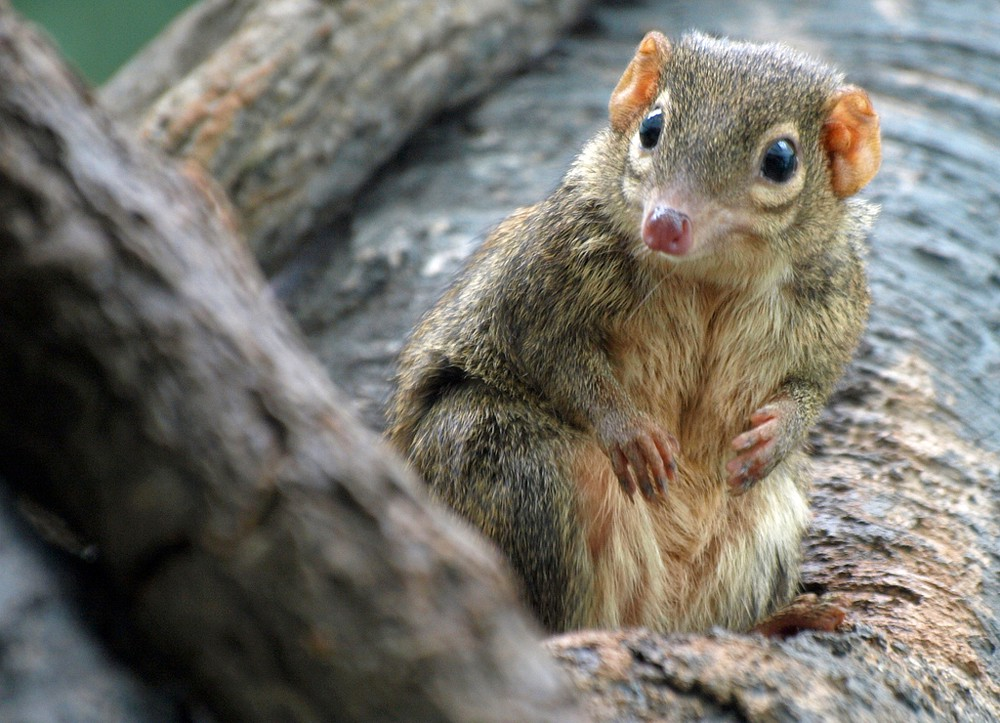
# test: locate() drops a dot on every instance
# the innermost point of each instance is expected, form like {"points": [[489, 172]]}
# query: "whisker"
{"points": [[645, 299]]}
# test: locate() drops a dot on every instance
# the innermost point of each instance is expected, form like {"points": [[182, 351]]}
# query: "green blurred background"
{"points": [[97, 36]]}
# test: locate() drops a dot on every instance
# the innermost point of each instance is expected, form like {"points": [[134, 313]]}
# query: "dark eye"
{"points": [[779, 162], [650, 129]]}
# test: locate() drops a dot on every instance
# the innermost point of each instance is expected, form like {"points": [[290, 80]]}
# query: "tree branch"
{"points": [[156, 397], [292, 104]]}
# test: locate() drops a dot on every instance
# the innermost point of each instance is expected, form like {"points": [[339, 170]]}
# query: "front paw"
{"points": [[762, 447], [642, 455]]}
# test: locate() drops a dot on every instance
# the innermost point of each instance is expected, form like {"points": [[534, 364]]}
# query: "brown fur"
{"points": [[566, 339]]}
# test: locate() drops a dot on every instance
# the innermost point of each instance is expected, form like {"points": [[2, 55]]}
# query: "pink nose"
{"points": [[667, 230]]}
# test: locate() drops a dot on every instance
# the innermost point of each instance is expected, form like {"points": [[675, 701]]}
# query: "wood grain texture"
{"points": [[157, 398], [292, 104], [908, 481], [907, 475]]}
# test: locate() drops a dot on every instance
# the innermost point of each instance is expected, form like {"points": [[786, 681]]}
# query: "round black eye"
{"points": [[650, 129], [779, 162]]}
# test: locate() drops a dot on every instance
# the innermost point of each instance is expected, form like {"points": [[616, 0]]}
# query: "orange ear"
{"points": [[638, 85], [851, 139]]}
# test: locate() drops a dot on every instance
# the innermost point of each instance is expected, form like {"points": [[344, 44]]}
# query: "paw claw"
{"points": [[643, 459], [757, 449]]}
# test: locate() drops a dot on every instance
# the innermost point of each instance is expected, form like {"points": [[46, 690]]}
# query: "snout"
{"points": [[666, 230]]}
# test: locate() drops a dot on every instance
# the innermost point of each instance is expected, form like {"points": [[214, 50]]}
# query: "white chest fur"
{"points": [[699, 363]]}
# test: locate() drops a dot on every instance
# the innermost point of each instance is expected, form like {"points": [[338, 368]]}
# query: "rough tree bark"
{"points": [[906, 530], [291, 104], [156, 397]]}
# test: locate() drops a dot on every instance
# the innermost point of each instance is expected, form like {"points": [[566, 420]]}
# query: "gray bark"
{"points": [[908, 475], [292, 104], [157, 399], [907, 489]]}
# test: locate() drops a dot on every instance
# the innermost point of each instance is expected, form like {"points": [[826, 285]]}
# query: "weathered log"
{"points": [[156, 397], [906, 524], [907, 474], [292, 104]]}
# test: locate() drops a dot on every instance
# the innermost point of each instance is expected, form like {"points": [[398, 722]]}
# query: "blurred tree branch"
{"points": [[292, 104], [156, 397]]}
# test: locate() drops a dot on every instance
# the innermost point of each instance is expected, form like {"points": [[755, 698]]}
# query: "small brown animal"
{"points": [[669, 321]]}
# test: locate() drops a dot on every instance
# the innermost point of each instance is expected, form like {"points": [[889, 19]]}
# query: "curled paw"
{"points": [[642, 455], [760, 448]]}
